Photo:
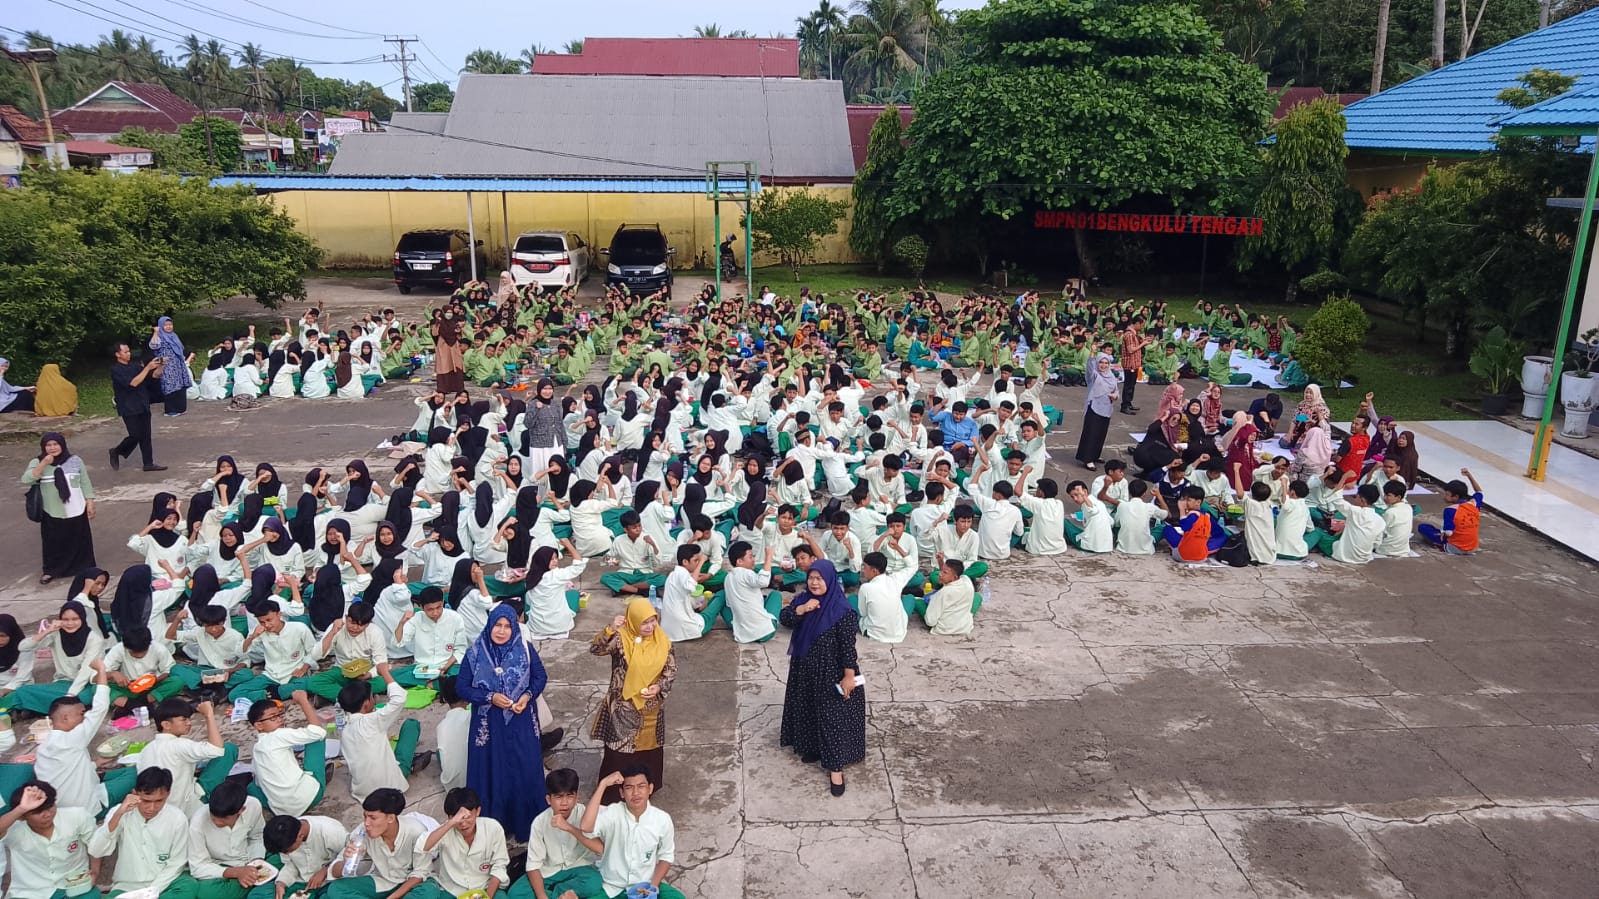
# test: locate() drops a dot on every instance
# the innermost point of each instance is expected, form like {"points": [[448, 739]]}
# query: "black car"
{"points": [[439, 257], [640, 259]]}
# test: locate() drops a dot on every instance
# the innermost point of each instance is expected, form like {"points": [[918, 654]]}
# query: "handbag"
{"points": [[33, 502]]}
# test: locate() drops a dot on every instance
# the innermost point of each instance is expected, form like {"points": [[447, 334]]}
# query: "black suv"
{"points": [[438, 257], [640, 259]]}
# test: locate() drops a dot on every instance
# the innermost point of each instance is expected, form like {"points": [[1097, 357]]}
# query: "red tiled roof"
{"points": [[712, 56], [20, 126], [1294, 96], [164, 112], [862, 117], [361, 114], [90, 147]]}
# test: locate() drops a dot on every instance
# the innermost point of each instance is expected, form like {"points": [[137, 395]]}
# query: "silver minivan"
{"points": [[550, 259]]}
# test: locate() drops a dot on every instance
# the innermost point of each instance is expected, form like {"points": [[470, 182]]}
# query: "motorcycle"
{"points": [[730, 268]]}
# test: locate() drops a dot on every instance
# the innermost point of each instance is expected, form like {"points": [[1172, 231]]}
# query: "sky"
{"points": [[351, 32]]}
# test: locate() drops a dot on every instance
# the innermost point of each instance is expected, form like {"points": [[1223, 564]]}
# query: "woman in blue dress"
{"points": [[502, 676], [176, 379]]}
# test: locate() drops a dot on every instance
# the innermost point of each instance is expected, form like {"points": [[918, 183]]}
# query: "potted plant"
{"points": [[1537, 378], [1494, 360], [1579, 389]]}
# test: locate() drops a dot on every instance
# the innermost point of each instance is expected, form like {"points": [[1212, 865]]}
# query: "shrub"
{"points": [[912, 251], [1333, 337]]}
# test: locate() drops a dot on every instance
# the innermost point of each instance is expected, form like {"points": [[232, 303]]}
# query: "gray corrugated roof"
{"points": [[619, 126], [412, 122]]}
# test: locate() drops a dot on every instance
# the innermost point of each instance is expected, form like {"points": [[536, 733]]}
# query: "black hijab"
{"points": [[160, 503], [163, 536], [538, 566], [63, 489], [225, 551], [285, 541], [460, 582], [560, 481], [753, 508], [526, 514], [390, 550], [204, 585], [134, 603], [303, 527], [326, 603], [82, 580], [382, 579], [250, 515], [398, 515], [72, 644], [234, 482], [273, 485], [263, 588], [449, 512], [360, 487], [644, 494], [693, 501], [483, 505], [12, 651], [329, 550]]}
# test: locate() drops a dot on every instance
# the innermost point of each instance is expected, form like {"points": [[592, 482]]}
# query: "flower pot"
{"points": [[1495, 403], [1576, 423], [1576, 390], [1537, 373]]}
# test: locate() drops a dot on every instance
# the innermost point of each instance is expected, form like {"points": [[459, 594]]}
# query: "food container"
{"points": [[113, 747], [212, 676], [356, 669]]}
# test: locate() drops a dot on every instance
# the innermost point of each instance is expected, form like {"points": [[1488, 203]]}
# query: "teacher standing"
{"points": [[175, 376], [631, 721], [66, 542], [824, 708], [1096, 413], [501, 676], [449, 360], [133, 405]]}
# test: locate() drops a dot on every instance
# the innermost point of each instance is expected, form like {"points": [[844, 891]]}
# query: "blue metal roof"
{"points": [[487, 185], [1453, 109], [1576, 111]]}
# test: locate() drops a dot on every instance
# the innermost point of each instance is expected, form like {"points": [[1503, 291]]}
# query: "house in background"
{"points": [[1289, 97], [97, 154], [16, 130], [718, 57], [124, 104]]}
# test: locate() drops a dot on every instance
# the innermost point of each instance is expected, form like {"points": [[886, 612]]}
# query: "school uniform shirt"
{"points": [[438, 567], [1363, 527], [901, 568], [150, 853], [365, 740], [1398, 522], [589, 533], [289, 789], [548, 615], [392, 866], [953, 545], [156, 660], [179, 755], [64, 667], [678, 617], [636, 555], [287, 650], [1117, 491], [714, 548], [882, 614], [19, 674], [551, 851], [214, 849], [211, 652], [1293, 523], [782, 544], [746, 598], [888, 491], [1218, 492], [432, 642], [1000, 522], [866, 523], [1046, 535], [41, 866], [633, 846], [1133, 520], [324, 843], [464, 867], [923, 522], [451, 736], [844, 554], [1260, 531], [949, 611], [369, 645], [154, 554], [64, 762]]}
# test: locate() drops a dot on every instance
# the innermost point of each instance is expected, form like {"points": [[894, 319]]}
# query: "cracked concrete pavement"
{"points": [[1114, 727]]}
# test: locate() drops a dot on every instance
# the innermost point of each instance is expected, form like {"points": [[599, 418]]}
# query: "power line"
{"points": [[405, 60], [227, 16], [447, 66], [179, 39], [275, 11]]}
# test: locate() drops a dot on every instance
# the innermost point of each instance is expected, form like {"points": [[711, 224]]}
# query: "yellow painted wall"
{"points": [[1371, 173], [356, 228]]}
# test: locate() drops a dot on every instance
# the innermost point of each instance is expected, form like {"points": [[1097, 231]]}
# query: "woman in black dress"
{"points": [[824, 710]]}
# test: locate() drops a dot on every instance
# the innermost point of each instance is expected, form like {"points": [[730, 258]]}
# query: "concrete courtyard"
{"points": [[1114, 727]]}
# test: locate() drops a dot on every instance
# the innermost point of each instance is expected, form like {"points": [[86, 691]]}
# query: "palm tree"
{"points": [[812, 46], [193, 56], [573, 47], [527, 56], [287, 80], [120, 56], [711, 30], [252, 58], [938, 29], [1383, 9], [490, 62], [888, 38], [830, 19]]}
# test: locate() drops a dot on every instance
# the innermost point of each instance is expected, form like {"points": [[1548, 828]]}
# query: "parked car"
{"points": [[639, 258], [439, 257], [550, 259]]}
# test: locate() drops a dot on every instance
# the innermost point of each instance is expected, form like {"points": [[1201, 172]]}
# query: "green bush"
{"points": [[912, 251], [87, 257], [1333, 337], [1495, 360], [1322, 283]]}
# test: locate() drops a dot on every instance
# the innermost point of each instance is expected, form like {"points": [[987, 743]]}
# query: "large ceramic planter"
{"points": [[1578, 391], [1537, 374], [1576, 423]]}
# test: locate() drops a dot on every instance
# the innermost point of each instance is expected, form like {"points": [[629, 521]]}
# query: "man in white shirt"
{"points": [[749, 607], [365, 737], [882, 612], [49, 845], [950, 611], [224, 837], [1398, 521], [685, 616], [924, 520], [1135, 517], [1111, 487], [450, 735], [282, 784], [148, 835], [63, 761], [1046, 532], [437, 640], [1089, 529], [636, 556], [1001, 520], [957, 539], [471, 849], [173, 750], [305, 847], [1363, 527], [289, 648], [841, 548], [557, 864], [350, 639], [899, 550], [886, 483], [633, 839], [393, 844]]}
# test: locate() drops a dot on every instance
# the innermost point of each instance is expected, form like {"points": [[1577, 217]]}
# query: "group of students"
{"points": [[308, 359]]}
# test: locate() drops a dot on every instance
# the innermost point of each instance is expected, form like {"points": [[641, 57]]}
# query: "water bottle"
{"points": [[356, 842], [655, 599], [986, 594], [338, 717]]}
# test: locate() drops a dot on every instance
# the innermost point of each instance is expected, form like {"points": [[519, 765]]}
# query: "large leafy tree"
{"points": [[791, 221], [1086, 104], [872, 225]]}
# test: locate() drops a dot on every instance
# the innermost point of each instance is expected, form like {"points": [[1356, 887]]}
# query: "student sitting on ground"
{"points": [[1089, 528], [687, 611], [1046, 530], [63, 760], [1293, 523], [1136, 518], [436, 639], [558, 865], [48, 844], [1462, 516], [884, 617], [225, 840], [635, 841], [149, 837], [282, 783], [1356, 542], [305, 847], [636, 557], [1398, 519], [372, 761], [472, 855], [1196, 535], [1001, 520], [1260, 533], [949, 611], [138, 656], [747, 606], [391, 845], [171, 749]]}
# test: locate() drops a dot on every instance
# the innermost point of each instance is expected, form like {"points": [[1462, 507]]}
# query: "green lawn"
{"points": [[835, 279], [199, 331]]}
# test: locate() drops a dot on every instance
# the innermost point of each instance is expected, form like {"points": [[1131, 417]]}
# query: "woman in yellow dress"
{"points": [[631, 720]]}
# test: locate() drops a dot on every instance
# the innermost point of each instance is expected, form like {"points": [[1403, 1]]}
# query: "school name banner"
{"points": [[1229, 225]]}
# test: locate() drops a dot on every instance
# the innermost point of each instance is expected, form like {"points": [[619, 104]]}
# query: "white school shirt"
{"points": [[154, 554], [289, 789], [365, 740], [883, 616], [746, 600], [208, 651], [845, 555], [438, 567], [657, 521], [474, 610], [1293, 523], [957, 546], [633, 846], [714, 548], [1000, 522], [900, 568], [465, 867], [179, 755], [1133, 518], [287, 650], [866, 523], [324, 843], [548, 615], [68, 668], [1363, 527], [589, 533], [1260, 531], [393, 866], [369, 645], [1097, 536], [157, 660], [392, 604], [949, 611], [1397, 525], [149, 853], [1046, 535], [923, 522], [1117, 492], [551, 851], [1218, 490], [432, 642], [679, 618], [451, 736], [214, 849], [64, 762], [636, 555], [42, 865]]}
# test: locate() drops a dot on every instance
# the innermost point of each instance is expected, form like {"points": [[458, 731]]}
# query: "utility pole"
{"points": [[404, 60], [205, 118], [31, 58]]}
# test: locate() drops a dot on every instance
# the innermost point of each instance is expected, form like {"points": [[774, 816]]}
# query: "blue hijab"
{"points": [[812, 625], [498, 668], [170, 342]]}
